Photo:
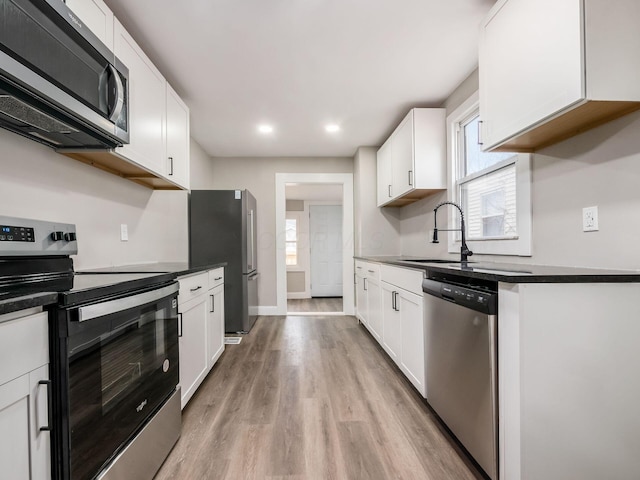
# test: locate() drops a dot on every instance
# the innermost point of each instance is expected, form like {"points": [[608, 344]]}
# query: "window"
{"points": [[493, 189], [291, 239]]}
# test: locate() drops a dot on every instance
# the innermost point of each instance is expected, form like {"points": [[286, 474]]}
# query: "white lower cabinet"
{"points": [[24, 376], [215, 324], [362, 305], [374, 300], [412, 353], [369, 297], [391, 324], [402, 322], [201, 310], [194, 364]]}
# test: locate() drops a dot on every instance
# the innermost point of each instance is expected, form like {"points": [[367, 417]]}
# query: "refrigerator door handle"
{"points": [[250, 260]]}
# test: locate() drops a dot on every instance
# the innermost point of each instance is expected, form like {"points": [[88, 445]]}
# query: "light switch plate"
{"points": [[590, 219], [124, 232]]}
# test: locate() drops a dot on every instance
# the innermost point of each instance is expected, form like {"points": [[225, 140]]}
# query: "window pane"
{"points": [[291, 230], [476, 159], [291, 251], [489, 203]]}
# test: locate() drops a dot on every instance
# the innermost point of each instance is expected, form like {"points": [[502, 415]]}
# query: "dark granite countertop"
{"points": [[13, 303], [511, 272], [178, 268]]}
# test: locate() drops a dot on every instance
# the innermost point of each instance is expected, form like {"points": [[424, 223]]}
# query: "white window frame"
{"points": [[519, 245]]}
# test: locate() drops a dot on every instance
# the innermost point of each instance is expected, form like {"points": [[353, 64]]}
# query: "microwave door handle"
{"points": [[116, 109]]}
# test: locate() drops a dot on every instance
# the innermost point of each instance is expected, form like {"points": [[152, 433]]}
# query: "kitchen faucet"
{"points": [[464, 250]]}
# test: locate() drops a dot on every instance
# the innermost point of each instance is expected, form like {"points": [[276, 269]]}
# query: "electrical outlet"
{"points": [[590, 219], [124, 232]]}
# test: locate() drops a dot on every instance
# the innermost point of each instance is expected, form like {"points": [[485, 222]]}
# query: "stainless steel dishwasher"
{"points": [[461, 362]]}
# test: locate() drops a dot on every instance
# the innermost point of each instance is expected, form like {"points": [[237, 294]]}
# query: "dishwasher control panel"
{"points": [[479, 300]]}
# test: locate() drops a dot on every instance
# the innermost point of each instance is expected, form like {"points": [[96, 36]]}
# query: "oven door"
{"points": [[122, 359]]}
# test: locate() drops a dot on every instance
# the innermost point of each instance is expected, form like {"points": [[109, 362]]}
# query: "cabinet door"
{"points": [[194, 362], [147, 105], [97, 17], [215, 324], [24, 449], [402, 155], [177, 139], [530, 65], [391, 324], [412, 361], [374, 308], [362, 307], [385, 173]]}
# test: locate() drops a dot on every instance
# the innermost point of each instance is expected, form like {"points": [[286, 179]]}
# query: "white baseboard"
{"points": [[270, 311]]}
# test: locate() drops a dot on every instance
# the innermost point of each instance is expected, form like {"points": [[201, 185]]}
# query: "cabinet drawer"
{"points": [[24, 345], [372, 270], [193, 286], [368, 270], [409, 279], [216, 277]]}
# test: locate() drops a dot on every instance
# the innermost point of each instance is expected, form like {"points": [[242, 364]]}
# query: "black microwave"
{"points": [[59, 84]]}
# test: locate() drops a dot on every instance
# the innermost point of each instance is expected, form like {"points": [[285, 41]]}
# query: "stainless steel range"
{"points": [[114, 355]]}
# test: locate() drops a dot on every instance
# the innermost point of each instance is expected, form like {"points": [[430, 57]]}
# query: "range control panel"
{"points": [[24, 237], [10, 233]]}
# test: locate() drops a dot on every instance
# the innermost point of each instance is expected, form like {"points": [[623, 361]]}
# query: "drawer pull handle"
{"points": [[371, 271], [216, 279], [47, 383], [195, 289]]}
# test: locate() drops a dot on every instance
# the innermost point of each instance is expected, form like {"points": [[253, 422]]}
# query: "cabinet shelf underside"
{"points": [[582, 118]]}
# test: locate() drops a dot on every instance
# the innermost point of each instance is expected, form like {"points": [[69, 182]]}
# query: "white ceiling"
{"points": [[300, 64]]}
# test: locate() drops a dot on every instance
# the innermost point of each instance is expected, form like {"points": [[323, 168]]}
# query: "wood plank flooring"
{"points": [[315, 305], [306, 398]]}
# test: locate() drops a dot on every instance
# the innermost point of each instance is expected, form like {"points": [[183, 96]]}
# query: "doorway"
{"points": [[314, 248], [324, 182]]}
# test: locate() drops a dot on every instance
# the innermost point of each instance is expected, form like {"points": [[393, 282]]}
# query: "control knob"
{"points": [[70, 236], [56, 236]]}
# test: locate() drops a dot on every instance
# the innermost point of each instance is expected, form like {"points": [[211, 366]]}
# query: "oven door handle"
{"points": [[121, 304]]}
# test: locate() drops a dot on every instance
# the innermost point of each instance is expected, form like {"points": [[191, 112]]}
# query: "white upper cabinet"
{"points": [[551, 69], [147, 105], [412, 162], [385, 173], [97, 16], [177, 136]]}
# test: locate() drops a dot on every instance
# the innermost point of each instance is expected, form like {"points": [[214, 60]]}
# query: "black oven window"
{"points": [[121, 367]]}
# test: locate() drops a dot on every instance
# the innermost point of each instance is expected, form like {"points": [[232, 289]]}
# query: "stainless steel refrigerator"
{"points": [[222, 228]]}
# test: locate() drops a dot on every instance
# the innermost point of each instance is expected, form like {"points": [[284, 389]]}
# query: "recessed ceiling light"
{"points": [[332, 128], [265, 128]]}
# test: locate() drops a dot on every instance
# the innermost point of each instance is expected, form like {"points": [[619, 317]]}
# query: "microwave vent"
{"points": [[22, 112]]}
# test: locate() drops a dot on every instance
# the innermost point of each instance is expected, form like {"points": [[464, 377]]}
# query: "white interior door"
{"points": [[325, 228]]}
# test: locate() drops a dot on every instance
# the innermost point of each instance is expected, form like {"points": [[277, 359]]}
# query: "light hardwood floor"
{"points": [[310, 398], [315, 305]]}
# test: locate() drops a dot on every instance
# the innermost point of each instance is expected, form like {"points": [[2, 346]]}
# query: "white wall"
{"points": [[38, 183], [600, 167], [377, 230], [201, 174], [258, 176]]}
